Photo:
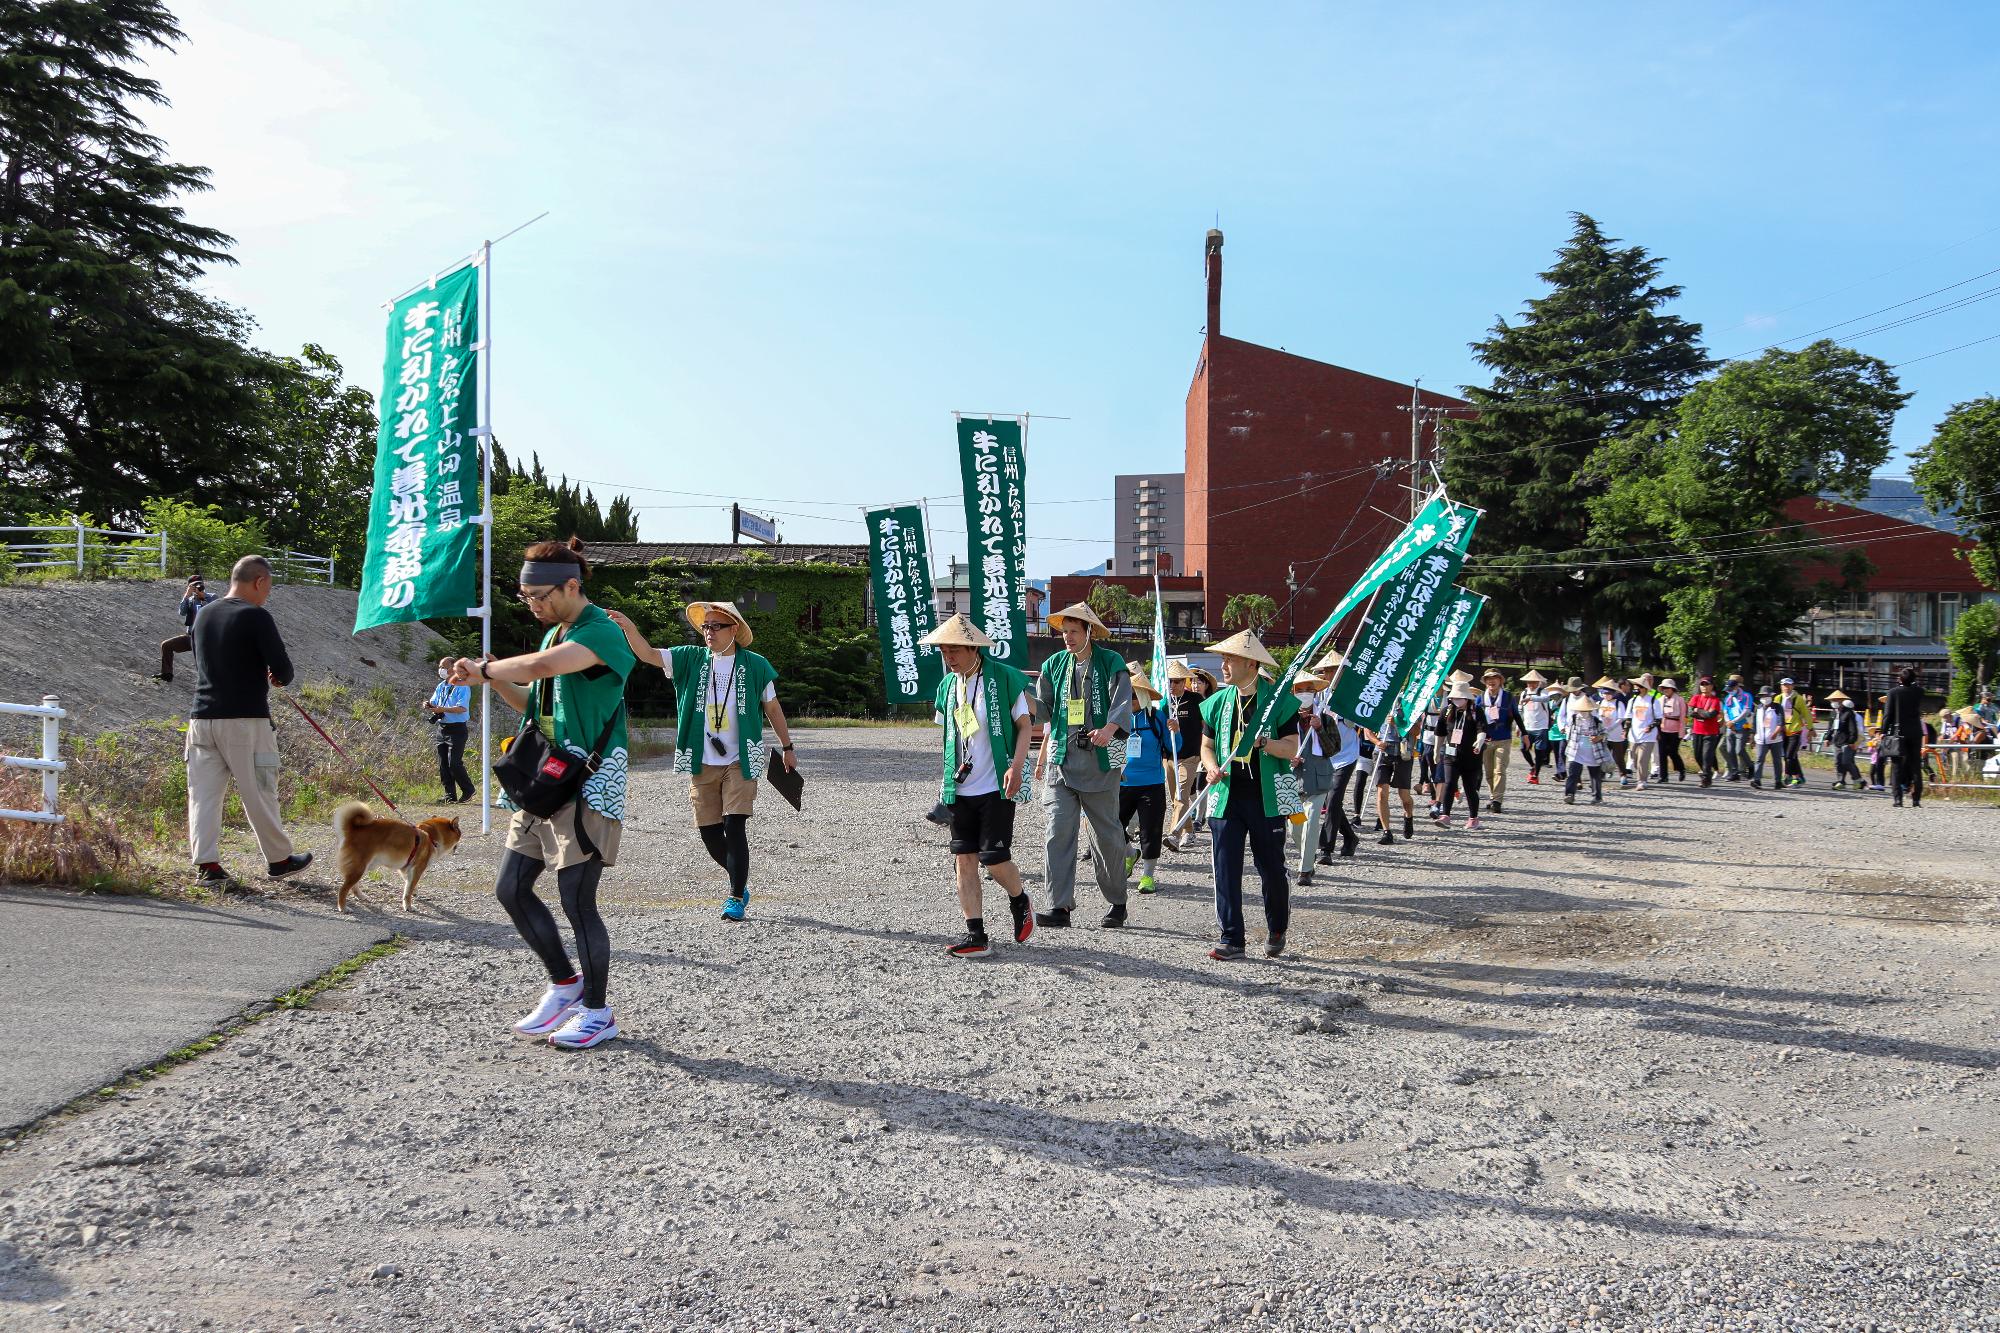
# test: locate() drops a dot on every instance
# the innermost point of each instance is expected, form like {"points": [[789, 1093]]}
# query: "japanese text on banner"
{"points": [[994, 476]]}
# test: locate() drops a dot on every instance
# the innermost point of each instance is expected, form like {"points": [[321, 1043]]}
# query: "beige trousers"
{"points": [[1189, 767], [245, 750], [1495, 758]]}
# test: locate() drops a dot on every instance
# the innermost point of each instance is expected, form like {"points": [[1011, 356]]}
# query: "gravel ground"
{"points": [[1689, 1060]]}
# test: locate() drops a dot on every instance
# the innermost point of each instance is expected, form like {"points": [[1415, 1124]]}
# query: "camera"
{"points": [[940, 814]]}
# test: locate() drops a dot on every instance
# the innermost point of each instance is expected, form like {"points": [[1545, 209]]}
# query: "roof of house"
{"points": [[724, 553], [1897, 497]]}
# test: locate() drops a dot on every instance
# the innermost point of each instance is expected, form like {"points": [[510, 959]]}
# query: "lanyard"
{"points": [[718, 694]]}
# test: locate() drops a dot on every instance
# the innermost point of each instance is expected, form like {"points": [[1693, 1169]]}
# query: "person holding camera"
{"points": [[725, 694], [449, 709], [571, 694], [193, 598], [1086, 693], [984, 710]]}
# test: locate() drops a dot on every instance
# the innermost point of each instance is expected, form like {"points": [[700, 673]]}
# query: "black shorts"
{"points": [[1396, 773], [983, 826]]}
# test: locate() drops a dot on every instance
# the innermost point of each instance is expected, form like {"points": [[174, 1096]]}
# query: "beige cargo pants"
{"points": [[244, 749]]}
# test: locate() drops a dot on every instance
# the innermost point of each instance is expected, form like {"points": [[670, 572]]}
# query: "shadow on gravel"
{"points": [[1671, 1012], [1168, 1156], [23, 1278]]}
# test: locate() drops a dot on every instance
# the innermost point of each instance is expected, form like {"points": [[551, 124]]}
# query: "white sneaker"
{"points": [[558, 1003], [586, 1028]]}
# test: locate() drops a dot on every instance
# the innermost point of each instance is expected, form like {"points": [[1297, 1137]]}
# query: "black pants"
{"points": [[1907, 774], [1793, 744], [1670, 753], [1336, 824], [1618, 749], [1704, 754], [728, 845], [577, 886], [457, 783], [1575, 776], [1266, 836], [1462, 773], [1150, 804]]}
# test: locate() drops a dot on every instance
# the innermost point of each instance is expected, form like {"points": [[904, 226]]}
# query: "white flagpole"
{"points": [[486, 531]]}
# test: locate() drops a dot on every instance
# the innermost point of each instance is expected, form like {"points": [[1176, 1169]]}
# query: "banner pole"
{"points": [[486, 532]]}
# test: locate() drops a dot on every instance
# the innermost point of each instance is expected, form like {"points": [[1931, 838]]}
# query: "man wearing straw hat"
{"points": [[724, 694], [1086, 693], [1534, 724], [1184, 736], [983, 706], [1251, 791], [1844, 734], [1501, 715]]}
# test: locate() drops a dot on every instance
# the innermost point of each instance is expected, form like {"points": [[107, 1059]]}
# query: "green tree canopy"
{"points": [[1974, 645], [1591, 362], [1249, 610], [1960, 470]]}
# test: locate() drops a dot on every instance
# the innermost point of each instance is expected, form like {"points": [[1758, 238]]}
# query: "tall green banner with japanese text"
{"points": [[1402, 620], [995, 479], [423, 548], [899, 572], [1434, 659], [1439, 525]]}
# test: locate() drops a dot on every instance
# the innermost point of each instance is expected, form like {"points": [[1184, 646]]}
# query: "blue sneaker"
{"points": [[733, 907]]}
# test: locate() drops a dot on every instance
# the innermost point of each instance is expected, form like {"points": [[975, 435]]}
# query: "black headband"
{"points": [[552, 573]]}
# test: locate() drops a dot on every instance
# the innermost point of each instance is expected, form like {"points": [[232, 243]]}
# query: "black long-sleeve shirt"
{"points": [[235, 644], [1903, 714]]}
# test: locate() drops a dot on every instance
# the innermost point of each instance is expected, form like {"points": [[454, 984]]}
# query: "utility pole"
{"points": [[1416, 434]]}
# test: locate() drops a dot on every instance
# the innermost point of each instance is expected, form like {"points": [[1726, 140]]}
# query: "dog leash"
{"points": [[342, 753]]}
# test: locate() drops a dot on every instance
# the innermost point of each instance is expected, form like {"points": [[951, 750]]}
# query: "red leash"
{"points": [[342, 753]]}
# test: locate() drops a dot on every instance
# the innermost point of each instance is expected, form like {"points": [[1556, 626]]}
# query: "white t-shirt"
{"points": [[1645, 719], [722, 690], [978, 747]]}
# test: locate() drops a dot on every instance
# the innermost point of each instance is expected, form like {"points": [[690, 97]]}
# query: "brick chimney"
{"points": [[1213, 266]]}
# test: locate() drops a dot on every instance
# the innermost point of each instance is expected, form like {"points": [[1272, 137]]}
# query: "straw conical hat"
{"points": [[697, 613], [1245, 644], [1460, 678], [958, 632], [1079, 611], [1605, 683], [1534, 678], [1140, 684], [1306, 680], [1331, 660], [1464, 690], [1835, 696], [1178, 670]]}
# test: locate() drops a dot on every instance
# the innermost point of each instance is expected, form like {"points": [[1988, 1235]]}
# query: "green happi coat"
{"points": [[1280, 785], [690, 666], [1003, 686], [1105, 666]]}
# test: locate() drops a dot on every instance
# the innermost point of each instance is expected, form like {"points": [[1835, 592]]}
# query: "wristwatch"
{"points": [[785, 747], [482, 670]]}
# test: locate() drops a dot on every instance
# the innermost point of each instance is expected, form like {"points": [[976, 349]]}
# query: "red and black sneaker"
{"points": [[972, 946], [1024, 917], [1226, 952]]}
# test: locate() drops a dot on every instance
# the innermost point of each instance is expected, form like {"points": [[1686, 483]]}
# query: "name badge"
{"points": [[1077, 715], [1457, 737], [968, 721], [1493, 713], [718, 717]]}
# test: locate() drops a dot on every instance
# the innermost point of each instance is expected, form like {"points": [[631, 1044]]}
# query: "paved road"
{"points": [[93, 988]]}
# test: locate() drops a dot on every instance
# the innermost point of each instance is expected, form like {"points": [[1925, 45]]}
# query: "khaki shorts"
{"points": [[553, 841], [718, 790]]}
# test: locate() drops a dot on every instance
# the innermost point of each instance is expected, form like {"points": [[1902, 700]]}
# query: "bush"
{"points": [[88, 850], [199, 539], [1974, 644]]}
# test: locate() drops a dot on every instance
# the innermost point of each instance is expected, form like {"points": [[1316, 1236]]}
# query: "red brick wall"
{"points": [[1908, 557], [1258, 420]]}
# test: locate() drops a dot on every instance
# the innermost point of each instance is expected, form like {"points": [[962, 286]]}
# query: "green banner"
{"points": [[899, 570], [995, 479], [1439, 524], [1434, 660], [423, 548], [1403, 619]]}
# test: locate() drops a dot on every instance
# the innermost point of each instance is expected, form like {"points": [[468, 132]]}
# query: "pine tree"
{"points": [[1591, 364], [120, 380]]}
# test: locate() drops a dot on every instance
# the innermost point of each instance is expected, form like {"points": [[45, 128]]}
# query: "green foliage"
{"points": [[1960, 469], [121, 380], [1591, 362], [199, 539], [1742, 446], [1119, 605], [315, 468], [1974, 644], [1249, 610], [574, 508]]}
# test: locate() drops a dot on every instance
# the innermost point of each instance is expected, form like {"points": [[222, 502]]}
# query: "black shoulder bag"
{"points": [[540, 777]]}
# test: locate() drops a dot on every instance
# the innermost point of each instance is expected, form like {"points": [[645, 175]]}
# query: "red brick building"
{"points": [[1281, 455]]}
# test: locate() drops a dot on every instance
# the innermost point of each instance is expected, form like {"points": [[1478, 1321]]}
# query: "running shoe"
{"points": [[1024, 917], [558, 1003], [1056, 918], [1387, 839], [213, 873], [586, 1028], [1130, 861], [1305, 880], [1443, 821], [1226, 952], [1534, 780], [1275, 945], [1147, 884], [735, 905], [1115, 917], [1473, 825], [1569, 800], [291, 865], [1495, 807], [971, 946]]}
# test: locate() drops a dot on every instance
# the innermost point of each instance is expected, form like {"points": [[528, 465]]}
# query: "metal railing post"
{"points": [[163, 552], [51, 753], [79, 547]]}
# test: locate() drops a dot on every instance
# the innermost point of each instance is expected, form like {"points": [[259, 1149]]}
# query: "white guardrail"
{"points": [[49, 765], [74, 546], [1978, 762]]}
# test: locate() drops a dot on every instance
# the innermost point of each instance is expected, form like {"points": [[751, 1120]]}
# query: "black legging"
{"points": [[729, 843], [1617, 749], [578, 886], [1462, 772], [1670, 753], [451, 761], [1150, 804]]}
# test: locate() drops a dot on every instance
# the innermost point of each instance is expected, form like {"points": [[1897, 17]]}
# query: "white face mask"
{"points": [[443, 674]]}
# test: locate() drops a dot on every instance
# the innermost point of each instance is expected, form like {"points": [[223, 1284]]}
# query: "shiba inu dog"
{"points": [[368, 839]]}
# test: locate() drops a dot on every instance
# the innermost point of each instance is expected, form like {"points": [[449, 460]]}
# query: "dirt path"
{"points": [[1690, 1059]]}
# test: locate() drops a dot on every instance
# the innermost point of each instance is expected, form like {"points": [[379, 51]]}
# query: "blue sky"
{"points": [[785, 242]]}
